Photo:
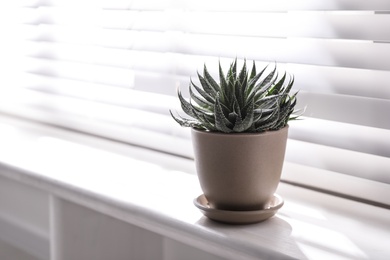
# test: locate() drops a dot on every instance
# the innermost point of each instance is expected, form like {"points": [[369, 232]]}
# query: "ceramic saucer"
{"points": [[239, 217]]}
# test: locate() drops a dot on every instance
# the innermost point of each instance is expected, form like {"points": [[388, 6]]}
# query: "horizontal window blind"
{"points": [[112, 68]]}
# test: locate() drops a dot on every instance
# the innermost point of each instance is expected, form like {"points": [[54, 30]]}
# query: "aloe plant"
{"points": [[241, 102]]}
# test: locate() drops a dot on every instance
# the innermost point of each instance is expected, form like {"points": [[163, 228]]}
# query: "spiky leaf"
{"points": [[221, 122]]}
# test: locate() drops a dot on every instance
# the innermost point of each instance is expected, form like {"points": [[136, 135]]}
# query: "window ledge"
{"points": [[155, 191]]}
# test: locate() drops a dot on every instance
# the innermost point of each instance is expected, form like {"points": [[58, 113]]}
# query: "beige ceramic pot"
{"points": [[239, 171]]}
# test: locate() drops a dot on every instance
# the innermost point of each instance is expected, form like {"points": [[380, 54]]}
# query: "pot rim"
{"points": [[269, 132]]}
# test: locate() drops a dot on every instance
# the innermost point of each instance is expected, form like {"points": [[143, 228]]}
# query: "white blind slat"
{"points": [[286, 5], [348, 109], [119, 96], [120, 58], [87, 73], [95, 111], [80, 35], [348, 162], [244, 5], [353, 54], [344, 81], [333, 26], [83, 72], [97, 17], [364, 139], [336, 183], [336, 25]]}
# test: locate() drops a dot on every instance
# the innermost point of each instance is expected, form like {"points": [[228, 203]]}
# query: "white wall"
{"points": [[24, 217], [78, 232]]}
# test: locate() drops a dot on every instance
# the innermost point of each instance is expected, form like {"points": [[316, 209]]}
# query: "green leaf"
{"points": [[221, 122], [185, 105], [232, 73], [232, 117], [278, 86], [294, 100], [283, 115], [237, 126], [225, 109], [207, 98], [207, 121], [267, 102], [253, 80], [267, 126], [201, 102], [243, 125], [207, 87], [236, 106], [243, 78], [185, 122], [223, 84], [263, 86], [257, 114], [253, 71], [289, 86], [210, 79], [267, 122], [209, 124], [238, 94], [199, 111], [266, 114]]}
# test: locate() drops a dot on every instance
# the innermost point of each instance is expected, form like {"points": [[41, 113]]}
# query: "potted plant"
{"points": [[239, 134]]}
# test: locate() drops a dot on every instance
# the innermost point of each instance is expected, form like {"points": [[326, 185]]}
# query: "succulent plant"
{"points": [[241, 102]]}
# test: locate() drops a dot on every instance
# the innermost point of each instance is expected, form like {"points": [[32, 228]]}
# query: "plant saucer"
{"points": [[239, 217]]}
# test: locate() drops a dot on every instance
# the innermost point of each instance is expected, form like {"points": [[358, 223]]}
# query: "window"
{"points": [[111, 68]]}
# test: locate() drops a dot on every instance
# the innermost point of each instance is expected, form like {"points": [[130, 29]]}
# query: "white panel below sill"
{"points": [[125, 183], [23, 237], [8, 251]]}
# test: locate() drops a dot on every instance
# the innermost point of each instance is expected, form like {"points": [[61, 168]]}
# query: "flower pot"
{"points": [[239, 171]]}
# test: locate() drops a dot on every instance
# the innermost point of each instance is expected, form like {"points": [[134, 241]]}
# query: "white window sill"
{"points": [[155, 191]]}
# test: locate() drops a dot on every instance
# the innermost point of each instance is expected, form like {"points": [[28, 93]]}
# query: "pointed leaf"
{"points": [[223, 84], [185, 105], [238, 126], [253, 71], [221, 121], [289, 86], [207, 87], [232, 73], [204, 99], [201, 112], [222, 80], [278, 86], [210, 79], [253, 80], [243, 125], [283, 115], [267, 102], [236, 107], [232, 117], [225, 109], [185, 122], [242, 78], [267, 122], [238, 94], [263, 86]]}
